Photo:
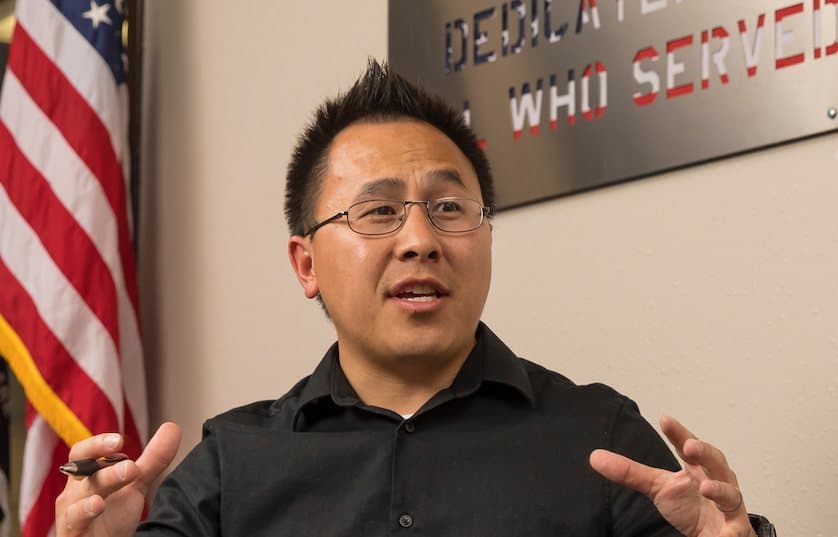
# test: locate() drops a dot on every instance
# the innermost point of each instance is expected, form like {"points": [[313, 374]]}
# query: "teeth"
{"points": [[423, 298], [418, 293], [420, 290]]}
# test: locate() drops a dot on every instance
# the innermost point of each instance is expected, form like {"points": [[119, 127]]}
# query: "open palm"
{"points": [[700, 500]]}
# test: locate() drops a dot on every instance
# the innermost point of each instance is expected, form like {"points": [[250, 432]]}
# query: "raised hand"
{"points": [[110, 502], [701, 500]]}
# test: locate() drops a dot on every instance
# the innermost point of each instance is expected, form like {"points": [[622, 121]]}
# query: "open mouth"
{"points": [[418, 292]]}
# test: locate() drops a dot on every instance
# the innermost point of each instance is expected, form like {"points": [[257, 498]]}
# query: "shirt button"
{"points": [[405, 521], [409, 427]]}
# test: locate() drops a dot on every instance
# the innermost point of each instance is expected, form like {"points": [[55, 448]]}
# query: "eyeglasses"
{"points": [[379, 217]]}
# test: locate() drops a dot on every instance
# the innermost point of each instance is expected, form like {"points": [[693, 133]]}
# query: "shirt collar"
{"points": [[490, 360]]}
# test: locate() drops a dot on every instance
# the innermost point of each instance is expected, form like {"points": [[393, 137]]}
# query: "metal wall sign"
{"points": [[568, 95]]}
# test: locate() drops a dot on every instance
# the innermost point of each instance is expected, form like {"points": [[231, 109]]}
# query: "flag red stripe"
{"points": [[39, 526], [31, 413], [91, 121], [132, 444], [84, 131], [62, 236], [56, 365]]}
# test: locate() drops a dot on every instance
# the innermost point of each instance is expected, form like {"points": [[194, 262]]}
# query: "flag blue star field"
{"points": [[69, 325]]}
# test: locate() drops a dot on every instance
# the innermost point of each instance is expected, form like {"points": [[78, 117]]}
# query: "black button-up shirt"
{"points": [[502, 452]]}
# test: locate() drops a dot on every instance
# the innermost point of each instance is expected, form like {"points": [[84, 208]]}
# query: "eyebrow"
{"points": [[376, 187], [446, 175], [388, 184]]}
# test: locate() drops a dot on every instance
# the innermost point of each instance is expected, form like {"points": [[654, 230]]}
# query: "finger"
{"points": [[96, 446], [74, 502], [676, 433], [158, 454], [711, 459], [107, 481], [727, 497], [78, 516], [624, 471]]}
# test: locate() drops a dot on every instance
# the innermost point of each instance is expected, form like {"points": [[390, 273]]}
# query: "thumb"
{"points": [[158, 454]]}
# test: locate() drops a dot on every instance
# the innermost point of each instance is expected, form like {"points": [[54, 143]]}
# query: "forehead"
{"points": [[396, 156]]}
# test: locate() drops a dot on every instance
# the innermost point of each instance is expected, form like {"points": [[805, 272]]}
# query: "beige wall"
{"points": [[708, 293]]}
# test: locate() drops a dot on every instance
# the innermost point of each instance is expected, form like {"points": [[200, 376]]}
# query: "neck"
{"points": [[400, 385]]}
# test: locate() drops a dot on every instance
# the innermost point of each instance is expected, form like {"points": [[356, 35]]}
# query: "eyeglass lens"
{"points": [[377, 217]]}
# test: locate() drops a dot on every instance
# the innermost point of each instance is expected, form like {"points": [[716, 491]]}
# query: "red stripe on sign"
{"points": [[648, 53], [833, 48], [645, 100], [788, 61], [680, 42], [679, 91], [62, 236], [788, 11], [84, 131], [42, 516], [55, 363], [720, 33], [743, 28]]}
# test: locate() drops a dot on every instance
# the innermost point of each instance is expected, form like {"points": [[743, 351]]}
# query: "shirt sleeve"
{"points": [[188, 501], [632, 513]]}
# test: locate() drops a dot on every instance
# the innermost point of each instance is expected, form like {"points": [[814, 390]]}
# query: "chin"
{"points": [[422, 343]]}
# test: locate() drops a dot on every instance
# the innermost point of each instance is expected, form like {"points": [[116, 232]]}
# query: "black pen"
{"points": [[86, 467]]}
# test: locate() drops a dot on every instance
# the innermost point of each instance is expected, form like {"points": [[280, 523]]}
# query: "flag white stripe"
{"points": [[59, 304], [40, 443], [82, 195], [73, 183], [83, 66], [125, 159]]}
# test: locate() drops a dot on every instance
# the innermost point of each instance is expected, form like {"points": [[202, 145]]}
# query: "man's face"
{"points": [[369, 284]]}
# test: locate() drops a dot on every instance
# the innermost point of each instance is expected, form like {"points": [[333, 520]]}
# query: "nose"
{"points": [[417, 238]]}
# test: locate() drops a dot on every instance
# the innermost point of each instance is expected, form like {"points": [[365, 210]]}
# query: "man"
{"points": [[419, 420]]}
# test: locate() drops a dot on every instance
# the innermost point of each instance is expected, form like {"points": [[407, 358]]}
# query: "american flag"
{"points": [[69, 323]]}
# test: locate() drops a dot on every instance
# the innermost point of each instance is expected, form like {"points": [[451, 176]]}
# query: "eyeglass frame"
{"points": [[485, 212]]}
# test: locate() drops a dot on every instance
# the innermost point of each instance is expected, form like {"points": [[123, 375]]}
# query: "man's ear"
{"points": [[302, 261]]}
